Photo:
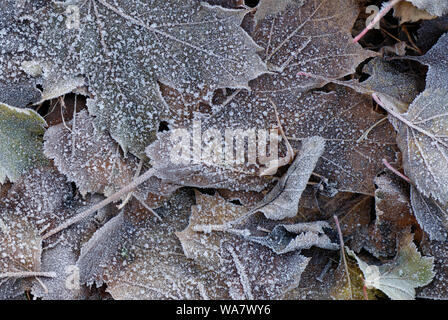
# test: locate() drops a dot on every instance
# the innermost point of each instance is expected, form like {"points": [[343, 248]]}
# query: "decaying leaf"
{"points": [[21, 148], [399, 278], [293, 42], [37, 202], [123, 48], [437, 289], [342, 289], [94, 161], [388, 79], [283, 200]]}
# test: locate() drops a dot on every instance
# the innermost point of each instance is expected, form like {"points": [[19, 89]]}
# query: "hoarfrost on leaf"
{"points": [[123, 48]]}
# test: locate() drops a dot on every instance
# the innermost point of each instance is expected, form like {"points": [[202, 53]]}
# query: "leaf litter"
{"points": [[97, 197]]}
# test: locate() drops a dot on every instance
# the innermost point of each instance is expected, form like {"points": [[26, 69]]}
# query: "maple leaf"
{"points": [[399, 278], [21, 133], [123, 48]]}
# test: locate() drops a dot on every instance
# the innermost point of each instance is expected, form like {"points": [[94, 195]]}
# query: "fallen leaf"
{"points": [[393, 216], [17, 37], [437, 289], [283, 200], [422, 130]]}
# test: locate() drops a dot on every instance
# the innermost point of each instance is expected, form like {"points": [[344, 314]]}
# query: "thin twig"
{"points": [[116, 196]]}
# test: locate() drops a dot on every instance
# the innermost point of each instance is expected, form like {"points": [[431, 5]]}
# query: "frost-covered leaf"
{"points": [[423, 129], [437, 8], [21, 133], [29, 208], [356, 141], [390, 80], [207, 241], [399, 278], [140, 257], [291, 237], [94, 161], [124, 47], [431, 31], [431, 215], [342, 289], [37, 202], [406, 12], [293, 42], [393, 216], [283, 200], [438, 288]]}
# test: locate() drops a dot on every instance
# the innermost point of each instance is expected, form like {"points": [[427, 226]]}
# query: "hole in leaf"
{"points": [[163, 126]]}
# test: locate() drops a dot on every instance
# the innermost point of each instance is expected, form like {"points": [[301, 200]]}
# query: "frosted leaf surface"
{"points": [[94, 161], [17, 38], [293, 42], [38, 202], [307, 36], [355, 142], [283, 200], [124, 47], [399, 277], [21, 146], [249, 269], [31, 206], [386, 79], [140, 257], [431, 215], [437, 8], [143, 259]]}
